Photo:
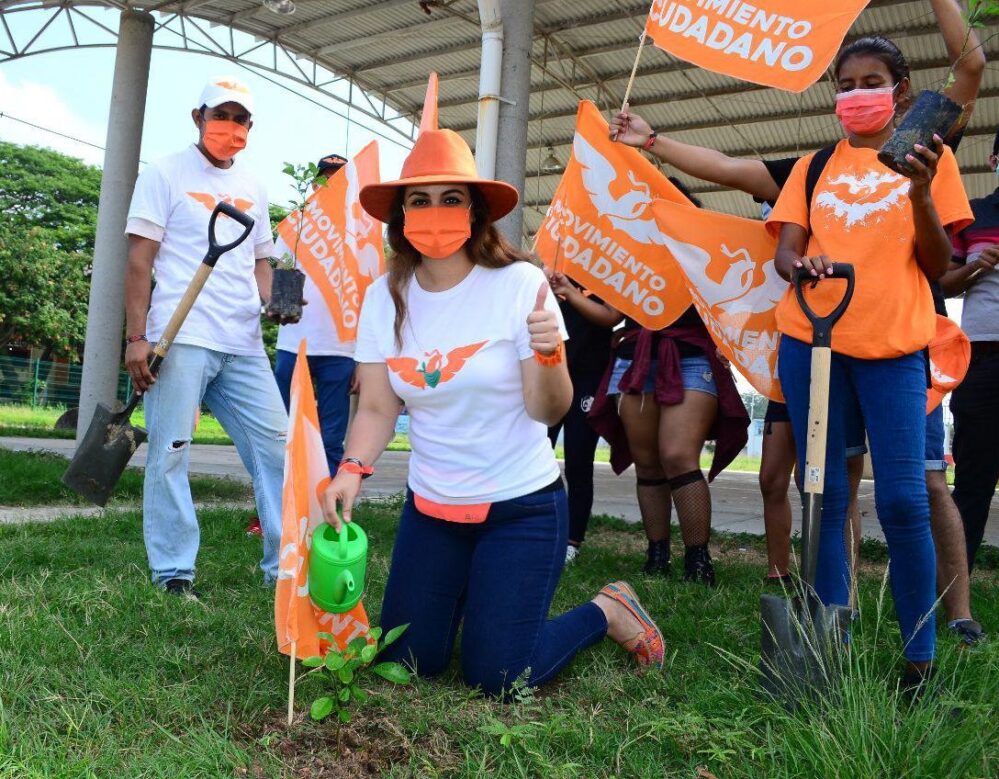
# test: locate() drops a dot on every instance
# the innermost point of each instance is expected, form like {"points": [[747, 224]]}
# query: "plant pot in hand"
{"points": [[931, 114], [286, 295]]}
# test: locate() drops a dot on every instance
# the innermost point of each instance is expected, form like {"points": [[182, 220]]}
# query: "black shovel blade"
{"points": [[103, 454], [800, 643]]}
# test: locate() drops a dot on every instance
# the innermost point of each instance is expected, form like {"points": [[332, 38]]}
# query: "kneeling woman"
{"points": [[467, 334]]}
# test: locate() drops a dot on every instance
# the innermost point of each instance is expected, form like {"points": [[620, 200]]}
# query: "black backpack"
{"points": [[815, 167]]}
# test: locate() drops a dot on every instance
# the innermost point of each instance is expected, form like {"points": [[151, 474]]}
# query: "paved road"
{"points": [[735, 496]]}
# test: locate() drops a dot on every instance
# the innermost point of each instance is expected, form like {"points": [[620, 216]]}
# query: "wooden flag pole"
{"points": [[634, 70], [291, 682]]}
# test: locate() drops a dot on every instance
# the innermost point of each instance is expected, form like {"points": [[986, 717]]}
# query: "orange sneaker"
{"points": [[648, 646]]}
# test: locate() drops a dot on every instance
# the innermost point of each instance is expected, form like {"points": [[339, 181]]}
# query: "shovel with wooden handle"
{"points": [[799, 633], [111, 439]]}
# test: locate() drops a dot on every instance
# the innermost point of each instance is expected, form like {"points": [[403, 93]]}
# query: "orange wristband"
{"points": [[550, 360]]}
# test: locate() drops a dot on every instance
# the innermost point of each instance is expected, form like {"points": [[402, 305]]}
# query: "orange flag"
{"points": [[296, 618], [728, 263], [950, 358], [600, 231], [340, 248], [787, 44]]}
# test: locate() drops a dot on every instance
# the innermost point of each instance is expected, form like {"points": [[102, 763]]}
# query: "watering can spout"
{"points": [[344, 587]]}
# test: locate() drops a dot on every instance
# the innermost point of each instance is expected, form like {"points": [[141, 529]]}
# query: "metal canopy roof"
{"points": [[582, 49]]}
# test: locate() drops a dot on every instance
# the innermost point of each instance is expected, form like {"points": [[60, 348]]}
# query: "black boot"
{"points": [[657, 559], [697, 566]]}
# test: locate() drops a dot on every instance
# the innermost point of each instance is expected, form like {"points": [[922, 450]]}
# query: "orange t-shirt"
{"points": [[861, 214]]}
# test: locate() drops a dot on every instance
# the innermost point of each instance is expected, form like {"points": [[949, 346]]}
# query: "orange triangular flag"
{"points": [[429, 119], [296, 619]]}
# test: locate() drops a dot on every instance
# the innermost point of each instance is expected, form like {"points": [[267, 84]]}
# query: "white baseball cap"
{"points": [[226, 89]]}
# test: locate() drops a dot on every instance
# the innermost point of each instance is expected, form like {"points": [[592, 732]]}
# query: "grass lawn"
{"points": [[33, 479], [103, 676]]}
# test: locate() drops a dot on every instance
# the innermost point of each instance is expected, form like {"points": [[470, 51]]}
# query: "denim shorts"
{"points": [[935, 440], [856, 433], [695, 371]]}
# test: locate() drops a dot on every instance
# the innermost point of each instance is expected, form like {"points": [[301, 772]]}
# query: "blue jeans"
{"points": [[695, 372], [498, 577], [892, 399], [331, 375], [241, 393]]}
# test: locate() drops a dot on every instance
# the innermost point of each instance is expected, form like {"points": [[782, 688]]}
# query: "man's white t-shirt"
{"points": [[459, 374], [172, 203], [316, 325]]}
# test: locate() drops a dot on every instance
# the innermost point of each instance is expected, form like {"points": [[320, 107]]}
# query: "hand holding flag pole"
{"points": [[631, 79]]}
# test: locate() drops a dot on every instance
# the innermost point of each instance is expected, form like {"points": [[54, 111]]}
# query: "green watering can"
{"points": [[337, 565]]}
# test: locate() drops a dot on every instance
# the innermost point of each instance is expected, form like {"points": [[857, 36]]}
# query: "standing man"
{"points": [[331, 361], [218, 357], [975, 403]]}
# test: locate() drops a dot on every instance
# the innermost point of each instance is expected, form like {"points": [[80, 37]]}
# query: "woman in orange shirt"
{"points": [[893, 229]]}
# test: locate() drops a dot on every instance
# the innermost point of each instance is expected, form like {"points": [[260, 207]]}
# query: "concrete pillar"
{"points": [[511, 152], [106, 311]]}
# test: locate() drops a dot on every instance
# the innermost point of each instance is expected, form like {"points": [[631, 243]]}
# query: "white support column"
{"points": [[490, 73], [106, 311], [514, 110]]}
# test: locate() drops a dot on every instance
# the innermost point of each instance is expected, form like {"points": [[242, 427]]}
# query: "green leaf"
{"points": [[312, 662], [375, 633], [505, 739], [354, 664], [356, 646], [344, 716], [324, 636], [346, 675], [394, 633], [335, 661], [368, 653], [393, 672], [321, 708], [344, 695], [359, 694]]}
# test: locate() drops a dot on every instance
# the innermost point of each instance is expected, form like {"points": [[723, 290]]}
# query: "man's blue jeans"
{"points": [[892, 399], [241, 393], [498, 577], [331, 376]]}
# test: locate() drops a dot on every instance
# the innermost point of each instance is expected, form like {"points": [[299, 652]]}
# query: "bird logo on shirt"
{"points": [[435, 369], [210, 201]]}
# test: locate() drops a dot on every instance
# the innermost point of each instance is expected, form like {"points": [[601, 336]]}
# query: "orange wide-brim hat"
{"points": [[438, 157]]}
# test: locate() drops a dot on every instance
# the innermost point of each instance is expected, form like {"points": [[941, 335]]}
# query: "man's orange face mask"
{"points": [[224, 138], [438, 231]]}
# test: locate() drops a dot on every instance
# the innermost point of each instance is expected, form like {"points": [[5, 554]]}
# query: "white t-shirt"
{"points": [[459, 375], [172, 203], [316, 325]]}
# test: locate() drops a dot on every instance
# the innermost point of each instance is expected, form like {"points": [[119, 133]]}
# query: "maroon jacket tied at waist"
{"points": [[731, 423]]}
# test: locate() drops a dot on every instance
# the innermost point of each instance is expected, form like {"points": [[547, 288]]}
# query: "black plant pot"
{"points": [[931, 114], [286, 295]]}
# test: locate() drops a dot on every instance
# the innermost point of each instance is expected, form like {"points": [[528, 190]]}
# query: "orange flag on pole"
{"points": [[787, 44], [297, 620], [340, 248], [728, 263], [600, 230]]}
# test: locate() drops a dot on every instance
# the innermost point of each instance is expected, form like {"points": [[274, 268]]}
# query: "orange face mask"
{"points": [[438, 231], [223, 138]]}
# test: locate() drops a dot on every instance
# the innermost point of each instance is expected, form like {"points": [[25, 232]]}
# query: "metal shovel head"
{"points": [[102, 456], [800, 642]]}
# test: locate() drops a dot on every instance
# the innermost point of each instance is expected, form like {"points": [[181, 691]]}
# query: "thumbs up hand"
{"points": [[542, 324]]}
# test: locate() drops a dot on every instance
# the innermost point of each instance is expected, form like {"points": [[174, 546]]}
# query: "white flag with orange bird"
{"points": [[303, 629]]}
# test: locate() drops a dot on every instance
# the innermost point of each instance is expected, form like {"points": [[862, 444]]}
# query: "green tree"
{"points": [[45, 189], [48, 218], [43, 292]]}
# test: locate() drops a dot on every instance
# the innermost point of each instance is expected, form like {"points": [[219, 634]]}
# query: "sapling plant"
{"points": [[288, 282], [933, 112], [345, 672]]}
